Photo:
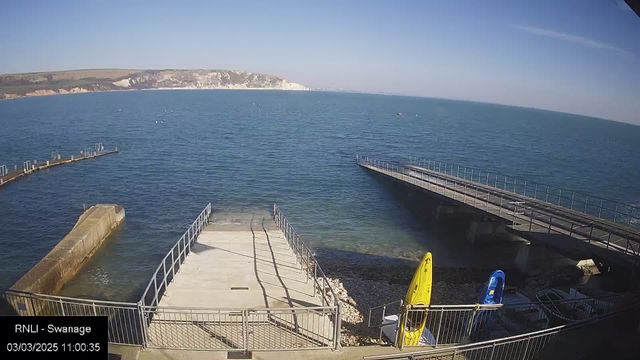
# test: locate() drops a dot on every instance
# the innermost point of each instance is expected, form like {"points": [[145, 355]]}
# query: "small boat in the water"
{"points": [[519, 315]]}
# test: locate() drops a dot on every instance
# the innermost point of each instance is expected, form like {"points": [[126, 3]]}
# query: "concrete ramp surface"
{"points": [[242, 287]]}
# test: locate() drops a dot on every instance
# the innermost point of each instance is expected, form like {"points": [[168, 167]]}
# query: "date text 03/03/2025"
{"points": [[47, 337]]}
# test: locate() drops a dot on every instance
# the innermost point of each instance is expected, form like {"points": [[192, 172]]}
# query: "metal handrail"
{"points": [[131, 323], [438, 353], [230, 309], [572, 228], [305, 256], [187, 240], [466, 319], [125, 325], [64, 298], [510, 183], [562, 217]]}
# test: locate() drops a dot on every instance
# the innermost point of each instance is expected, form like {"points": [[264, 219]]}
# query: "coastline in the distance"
{"points": [[80, 81]]}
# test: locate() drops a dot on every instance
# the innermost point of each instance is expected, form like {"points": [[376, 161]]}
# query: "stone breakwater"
{"points": [[65, 260], [360, 287]]}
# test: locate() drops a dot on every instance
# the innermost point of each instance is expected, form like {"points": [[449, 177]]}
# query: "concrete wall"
{"points": [[66, 259]]}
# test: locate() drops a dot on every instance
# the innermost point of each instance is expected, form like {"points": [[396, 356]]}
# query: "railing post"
{"points": [[62, 307], [306, 265], [338, 324], [315, 277], [615, 214], [155, 285], [524, 355], [531, 220], [142, 317], [586, 202], [173, 262], [600, 210], [559, 195], [535, 192], [164, 269], [245, 325], [547, 198], [404, 313], [573, 194], [464, 198], [324, 290], [439, 328]]}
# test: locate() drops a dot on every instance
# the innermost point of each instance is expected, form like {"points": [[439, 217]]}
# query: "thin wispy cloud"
{"points": [[585, 41]]}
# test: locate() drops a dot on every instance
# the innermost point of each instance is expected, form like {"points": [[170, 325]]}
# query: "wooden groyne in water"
{"points": [[28, 167]]}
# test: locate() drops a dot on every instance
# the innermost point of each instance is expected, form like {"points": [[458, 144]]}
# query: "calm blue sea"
{"points": [[244, 150]]}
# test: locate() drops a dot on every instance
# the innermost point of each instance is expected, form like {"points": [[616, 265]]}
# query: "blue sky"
{"points": [[578, 56]]}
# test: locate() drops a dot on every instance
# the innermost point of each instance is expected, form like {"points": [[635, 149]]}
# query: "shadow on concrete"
{"points": [[255, 267], [275, 266], [302, 303]]}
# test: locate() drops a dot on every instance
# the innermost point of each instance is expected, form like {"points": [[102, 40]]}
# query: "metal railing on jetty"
{"points": [[527, 217], [558, 342], [125, 320], [306, 259], [243, 328], [171, 263], [28, 167], [615, 211], [149, 325], [455, 324]]}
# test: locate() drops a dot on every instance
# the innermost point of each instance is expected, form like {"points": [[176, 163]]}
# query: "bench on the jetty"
{"points": [[29, 167]]}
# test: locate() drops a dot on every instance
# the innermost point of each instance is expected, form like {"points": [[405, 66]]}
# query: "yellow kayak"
{"points": [[419, 293]]}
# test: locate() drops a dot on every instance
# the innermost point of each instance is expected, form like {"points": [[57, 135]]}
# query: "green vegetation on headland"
{"points": [[77, 81]]}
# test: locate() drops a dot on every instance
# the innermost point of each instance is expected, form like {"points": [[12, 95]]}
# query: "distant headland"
{"points": [[80, 81]]}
